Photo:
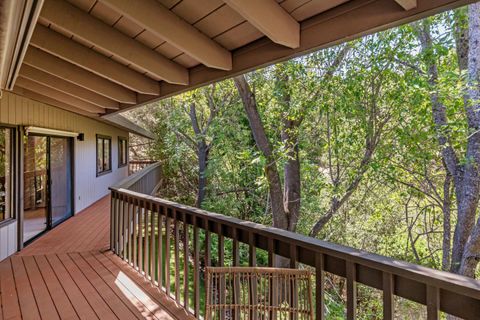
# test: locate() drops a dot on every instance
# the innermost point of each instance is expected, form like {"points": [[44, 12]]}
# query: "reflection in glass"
{"points": [[60, 179], [35, 187], [5, 173]]}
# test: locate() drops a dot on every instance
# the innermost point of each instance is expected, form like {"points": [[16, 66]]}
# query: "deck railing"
{"points": [[161, 239], [137, 165]]}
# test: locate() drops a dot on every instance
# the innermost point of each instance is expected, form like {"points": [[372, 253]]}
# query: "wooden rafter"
{"points": [[57, 95], [84, 26], [270, 18], [73, 52], [48, 100], [153, 16], [407, 4], [69, 72], [64, 86]]}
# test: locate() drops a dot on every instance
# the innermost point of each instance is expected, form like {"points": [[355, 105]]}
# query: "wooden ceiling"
{"points": [[100, 57]]}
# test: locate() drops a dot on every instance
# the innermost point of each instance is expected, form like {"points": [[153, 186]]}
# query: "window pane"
{"points": [[99, 155], [123, 152], [106, 159], [5, 174]]}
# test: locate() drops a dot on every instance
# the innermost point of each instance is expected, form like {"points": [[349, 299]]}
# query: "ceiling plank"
{"points": [[52, 102], [407, 4], [73, 52], [356, 18], [57, 95], [165, 24], [69, 72], [64, 86], [86, 27], [271, 19]]}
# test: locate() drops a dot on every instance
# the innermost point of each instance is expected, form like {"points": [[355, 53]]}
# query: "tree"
{"points": [[463, 169]]}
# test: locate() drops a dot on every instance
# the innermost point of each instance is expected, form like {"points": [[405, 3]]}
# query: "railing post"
{"points": [[319, 286], [388, 309], [351, 290]]}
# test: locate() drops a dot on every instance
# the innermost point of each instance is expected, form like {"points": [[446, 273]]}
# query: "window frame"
{"points": [[103, 138], [12, 197], [120, 140]]}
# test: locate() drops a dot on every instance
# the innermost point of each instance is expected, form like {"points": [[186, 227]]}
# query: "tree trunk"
{"points": [[273, 177], [202, 154], [471, 175], [466, 241], [447, 226]]}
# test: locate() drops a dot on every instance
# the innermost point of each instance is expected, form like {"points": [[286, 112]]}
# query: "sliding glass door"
{"points": [[48, 184], [60, 179]]}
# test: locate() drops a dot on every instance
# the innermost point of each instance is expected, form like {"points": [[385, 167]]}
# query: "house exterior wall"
{"points": [[88, 188]]}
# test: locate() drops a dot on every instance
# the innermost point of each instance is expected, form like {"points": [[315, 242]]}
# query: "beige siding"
{"points": [[17, 110]]}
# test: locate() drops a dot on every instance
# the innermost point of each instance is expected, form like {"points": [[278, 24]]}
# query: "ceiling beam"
{"points": [[407, 4], [57, 95], [52, 102], [86, 27], [69, 72], [154, 17], [73, 52], [64, 86], [271, 19], [356, 19]]}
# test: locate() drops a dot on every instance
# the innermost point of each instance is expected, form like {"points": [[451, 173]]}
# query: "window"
{"points": [[6, 139], [122, 152], [104, 155]]}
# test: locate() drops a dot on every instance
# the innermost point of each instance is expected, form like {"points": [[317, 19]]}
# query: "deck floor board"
{"points": [[69, 273]]}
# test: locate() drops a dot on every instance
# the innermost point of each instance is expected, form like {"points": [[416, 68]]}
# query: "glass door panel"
{"points": [[60, 179], [35, 201], [5, 173]]}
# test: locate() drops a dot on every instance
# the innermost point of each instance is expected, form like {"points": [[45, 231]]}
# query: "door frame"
{"points": [[49, 220]]}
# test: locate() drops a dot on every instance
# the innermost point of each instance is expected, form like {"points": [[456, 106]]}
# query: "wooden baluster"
{"points": [[177, 255], [115, 224], [125, 229], [236, 249], [387, 286], [145, 238], [153, 215], [129, 231], [208, 242], [271, 252], [351, 290], [196, 269], [168, 234], [135, 233], [113, 199], [160, 247], [252, 257], [433, 303], [140, 236], [186, 255], [319, 286]]}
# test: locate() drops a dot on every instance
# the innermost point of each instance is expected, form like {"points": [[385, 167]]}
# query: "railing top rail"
{"points": [[443, 280], [135, 177], [142, 161]]}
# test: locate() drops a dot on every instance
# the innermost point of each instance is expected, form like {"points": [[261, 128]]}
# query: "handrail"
{"points": [[137, 165], [438, 290], [144, 181]]}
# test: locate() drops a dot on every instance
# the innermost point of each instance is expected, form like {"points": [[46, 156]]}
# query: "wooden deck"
{"points": [[70, 274]]}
